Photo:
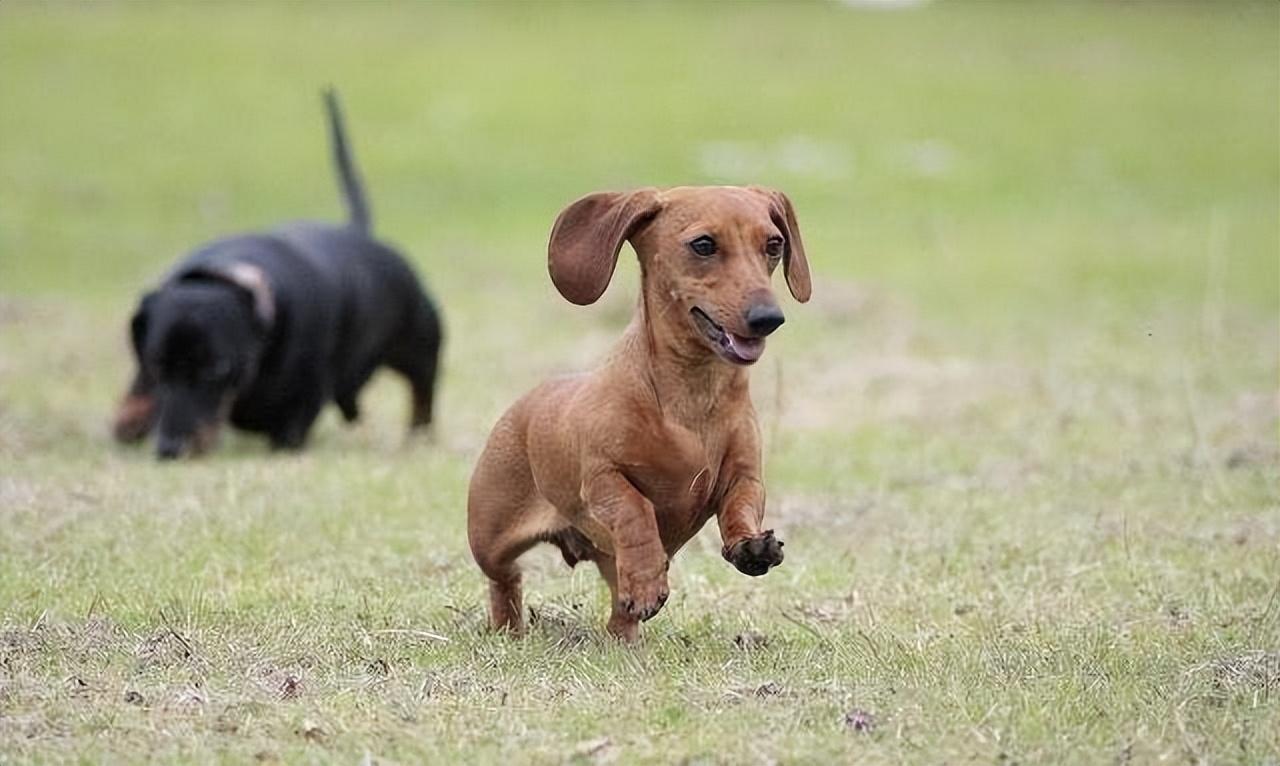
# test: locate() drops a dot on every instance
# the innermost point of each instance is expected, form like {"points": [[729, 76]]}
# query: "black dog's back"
{"points": [[385, 316]]}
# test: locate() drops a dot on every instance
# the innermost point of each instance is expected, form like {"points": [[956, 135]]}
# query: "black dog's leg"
{"points": [[349, 408], [423, 384], [421, 374], [292, 432], [417, 358], [349, 390]]}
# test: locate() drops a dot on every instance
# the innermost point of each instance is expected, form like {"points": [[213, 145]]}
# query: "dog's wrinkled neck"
{"points": [[687, 378]]}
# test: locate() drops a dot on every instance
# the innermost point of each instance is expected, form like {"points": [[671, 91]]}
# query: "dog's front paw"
{"points": [[755, 555], [134, 418], [642, 599]]}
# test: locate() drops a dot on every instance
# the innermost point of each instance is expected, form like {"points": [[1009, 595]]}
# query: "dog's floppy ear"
{"points": [[138, 324], [794, 264], [587, 237]]}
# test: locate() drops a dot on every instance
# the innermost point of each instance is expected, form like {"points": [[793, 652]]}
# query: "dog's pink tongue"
{"points": [[749, 349]]}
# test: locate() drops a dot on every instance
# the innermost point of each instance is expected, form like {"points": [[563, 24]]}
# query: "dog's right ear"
{"points": [[587, 237], [795, 264], [138, 324]]}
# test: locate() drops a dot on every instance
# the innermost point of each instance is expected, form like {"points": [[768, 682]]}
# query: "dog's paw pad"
{"points": [[755, 555]]}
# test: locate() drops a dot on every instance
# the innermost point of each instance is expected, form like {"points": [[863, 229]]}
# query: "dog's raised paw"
{"points": [[755, 555]]}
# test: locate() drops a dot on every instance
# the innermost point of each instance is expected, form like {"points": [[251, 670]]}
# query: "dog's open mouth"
{"points": [[738, 349]]}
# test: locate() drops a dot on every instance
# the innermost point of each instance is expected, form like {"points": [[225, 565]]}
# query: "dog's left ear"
{"points": [[138, 325], [587, 237], [794, 264]]}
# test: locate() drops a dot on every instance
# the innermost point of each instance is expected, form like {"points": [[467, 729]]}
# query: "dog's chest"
{"points": [[679, 478]]}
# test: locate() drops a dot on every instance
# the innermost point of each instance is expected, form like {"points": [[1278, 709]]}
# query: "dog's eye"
{"points": [[704, 246], [773, 248]]}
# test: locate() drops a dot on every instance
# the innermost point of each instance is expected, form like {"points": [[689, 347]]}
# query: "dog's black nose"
{"points": [[168, 449], [764, 318]]}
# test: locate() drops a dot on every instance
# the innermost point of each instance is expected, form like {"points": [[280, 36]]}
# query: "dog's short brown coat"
{"points": [[623, 465]]}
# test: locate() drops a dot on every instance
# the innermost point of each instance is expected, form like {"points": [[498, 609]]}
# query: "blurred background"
{"points": [[997, 168], [1008, 173], [1036, 385]]}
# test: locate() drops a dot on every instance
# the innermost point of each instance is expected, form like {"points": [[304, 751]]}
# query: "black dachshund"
{"points": [[262, 329]]}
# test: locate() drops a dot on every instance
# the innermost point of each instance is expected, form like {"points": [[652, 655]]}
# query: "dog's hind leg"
{"points": [[137, 411], [417, 358], [496, 543], [348, 390], [506, 516], [420, 370], [506, 597], [497, 559], [423, 384]]}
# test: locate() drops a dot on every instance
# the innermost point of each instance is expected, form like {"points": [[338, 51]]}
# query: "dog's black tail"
{"points": [[352, 189]]}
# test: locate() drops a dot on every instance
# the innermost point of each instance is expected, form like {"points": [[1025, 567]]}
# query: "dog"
{"points": [[262, 329], [623, 465]]}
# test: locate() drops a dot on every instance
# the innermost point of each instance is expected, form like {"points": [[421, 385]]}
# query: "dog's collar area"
{"points": [[247, 277], [733, 348]]}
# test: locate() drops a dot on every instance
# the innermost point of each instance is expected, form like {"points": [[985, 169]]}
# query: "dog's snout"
{"points": [[168, 448], [764, 318]]}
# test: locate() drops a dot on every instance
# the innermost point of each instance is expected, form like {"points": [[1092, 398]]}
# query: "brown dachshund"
{"points": [[623, 465]]}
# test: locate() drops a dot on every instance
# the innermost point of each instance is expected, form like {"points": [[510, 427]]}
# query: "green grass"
{"points": [[1022, 445]]}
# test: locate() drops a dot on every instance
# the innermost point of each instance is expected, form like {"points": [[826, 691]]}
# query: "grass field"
{"points": [[1022, 445]]}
